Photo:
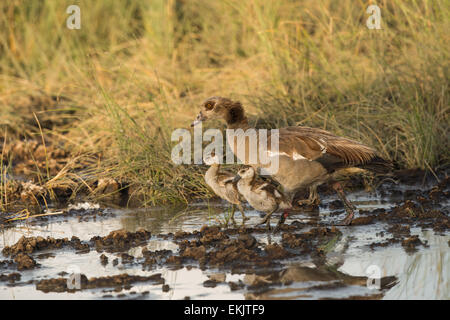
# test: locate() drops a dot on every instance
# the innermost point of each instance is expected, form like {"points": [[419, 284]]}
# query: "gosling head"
{"points": [[212, 160], [246, 174], [220, 108]]}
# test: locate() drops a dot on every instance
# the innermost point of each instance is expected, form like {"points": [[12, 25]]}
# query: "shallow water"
{"points": [[423, 274]]}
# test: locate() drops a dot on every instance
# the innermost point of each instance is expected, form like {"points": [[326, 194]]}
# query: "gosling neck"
{"points": [[212, 170], [247, 182]]}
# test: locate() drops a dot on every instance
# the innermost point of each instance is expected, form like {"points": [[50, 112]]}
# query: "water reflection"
{"points": [[421, 275]]}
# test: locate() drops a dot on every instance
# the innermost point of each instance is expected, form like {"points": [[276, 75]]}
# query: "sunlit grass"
{"points": [[114, 90]]}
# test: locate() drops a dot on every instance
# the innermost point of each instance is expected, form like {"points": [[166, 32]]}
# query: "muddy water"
{"points": [[422, 274]]}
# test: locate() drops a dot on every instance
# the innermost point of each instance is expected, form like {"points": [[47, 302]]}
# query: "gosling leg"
{"points": [[266, 219], [244, 218], [233, 210]]}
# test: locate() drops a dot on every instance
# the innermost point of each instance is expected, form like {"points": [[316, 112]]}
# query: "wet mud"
{"points": [[308, 258]]}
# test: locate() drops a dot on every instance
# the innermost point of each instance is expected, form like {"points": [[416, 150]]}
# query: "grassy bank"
{"points": [[110, 94]]}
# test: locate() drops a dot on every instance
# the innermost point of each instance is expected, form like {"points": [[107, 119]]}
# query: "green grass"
{"points": [[136, 70]]}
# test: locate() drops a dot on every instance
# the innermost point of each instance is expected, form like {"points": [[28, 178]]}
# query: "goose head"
{"points": [[220, 108]]}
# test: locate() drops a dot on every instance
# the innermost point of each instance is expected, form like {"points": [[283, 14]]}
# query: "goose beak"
{"points": [[196, 122], [199, 119], [236, 178]]}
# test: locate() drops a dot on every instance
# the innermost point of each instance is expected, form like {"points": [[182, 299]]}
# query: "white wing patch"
{"points": [[295, 155], [322, 147], [276, 154]]}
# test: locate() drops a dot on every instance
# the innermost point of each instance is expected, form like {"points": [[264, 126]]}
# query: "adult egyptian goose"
{"points": [[221, 182], [263, 196], [307, 157]]}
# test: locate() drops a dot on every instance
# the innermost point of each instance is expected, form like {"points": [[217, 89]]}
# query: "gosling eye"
{"points": [[209, 105]]}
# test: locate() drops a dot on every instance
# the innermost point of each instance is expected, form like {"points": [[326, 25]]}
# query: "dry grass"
{"points": [[113, 91]]}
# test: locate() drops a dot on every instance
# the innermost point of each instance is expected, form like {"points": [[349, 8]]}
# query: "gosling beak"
{"points": [[236, 178]]}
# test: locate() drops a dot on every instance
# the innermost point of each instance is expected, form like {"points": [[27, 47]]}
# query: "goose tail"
{"points": [[378, 165]]}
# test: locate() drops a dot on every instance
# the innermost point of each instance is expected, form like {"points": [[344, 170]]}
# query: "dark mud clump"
{"points": [[33, 244], [103, 260], [212, 247], [24, 262], [401, 234], [238, 249], [275, 251], [312, 241], [126, 258], [421, 208], [118, 282], [399, 230], [165, 288], [385, 243], [121, 240], [6, 264], [411, 243], [359, 221], [155, 258], [10, 278], [336, 205]]}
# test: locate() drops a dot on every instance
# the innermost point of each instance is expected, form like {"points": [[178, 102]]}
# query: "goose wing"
{"points": [[320, 145]]}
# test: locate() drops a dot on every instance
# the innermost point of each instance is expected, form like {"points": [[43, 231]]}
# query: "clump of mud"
{"points": [[313, 241], [238, 249], [24, 261], [410, 244], [119, 282], [156, 258], [421, 208], [212, 247], [32, 244], [10, 278], [121, 240]]}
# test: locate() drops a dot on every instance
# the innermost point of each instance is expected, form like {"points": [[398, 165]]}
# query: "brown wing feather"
{"points": [[312, 144]]}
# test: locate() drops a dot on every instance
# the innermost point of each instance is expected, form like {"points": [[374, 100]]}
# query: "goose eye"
{"points": [[209, 106]]}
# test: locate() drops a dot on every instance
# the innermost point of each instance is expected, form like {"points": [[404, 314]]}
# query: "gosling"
{"points": [[221, 182], [262, 196]]}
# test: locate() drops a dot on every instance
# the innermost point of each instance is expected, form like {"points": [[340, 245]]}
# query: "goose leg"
{"points": [[349, 207], [283, 217], [313, 198]]}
